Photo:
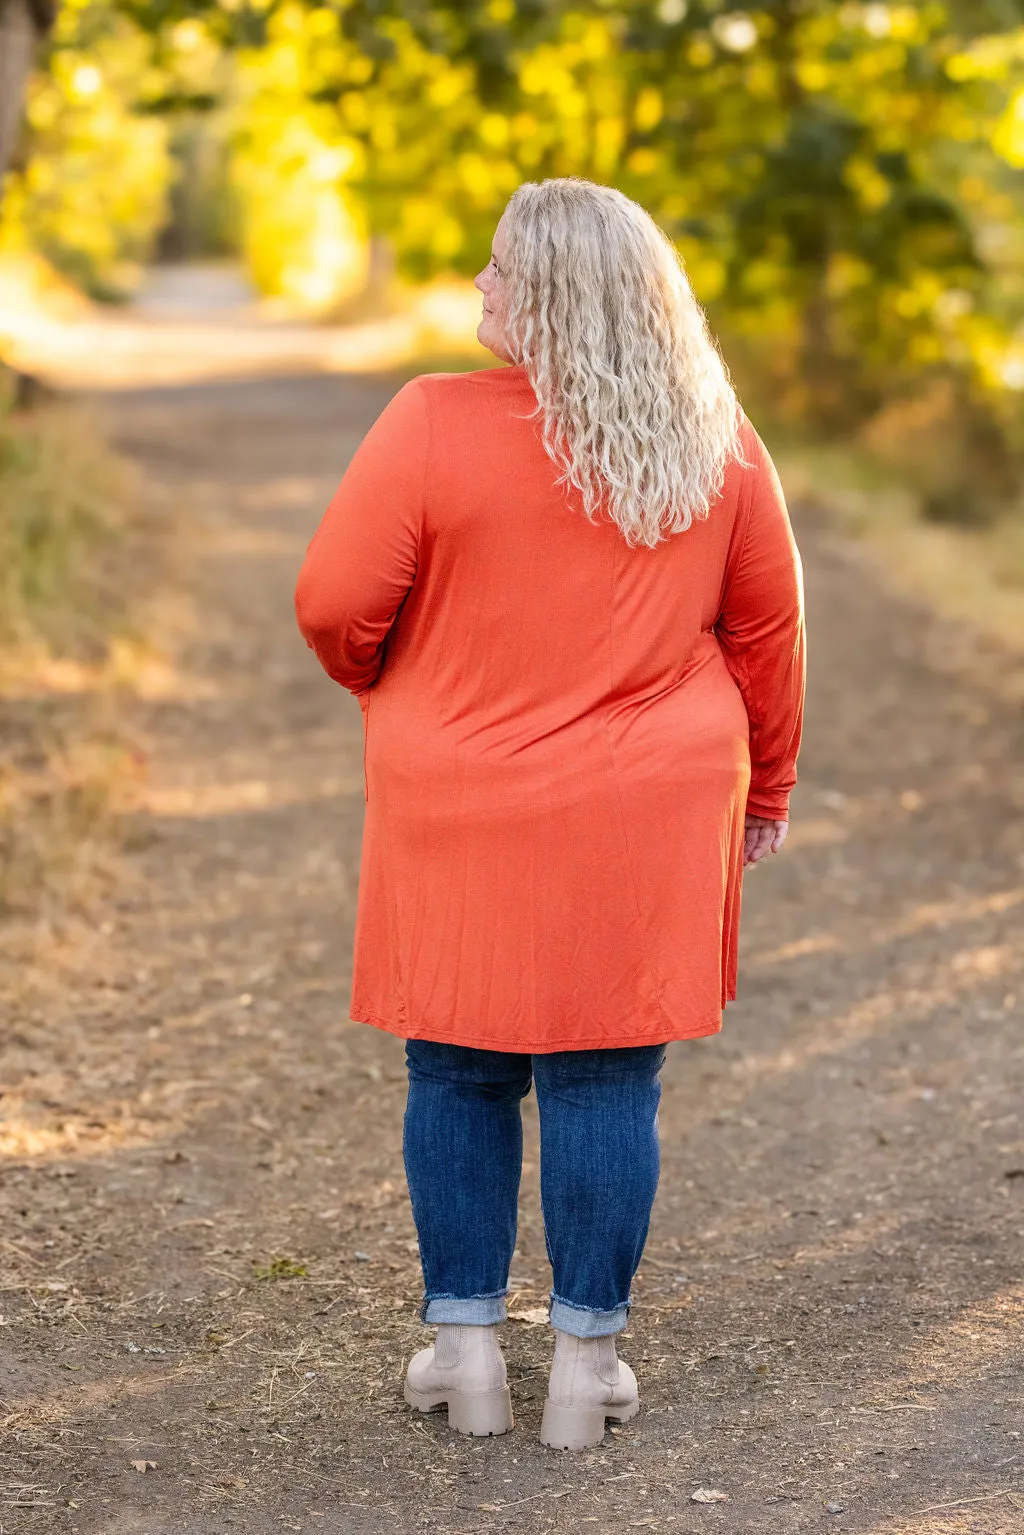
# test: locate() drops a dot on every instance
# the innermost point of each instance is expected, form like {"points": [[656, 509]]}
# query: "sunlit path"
{"points": [[200, 322]]}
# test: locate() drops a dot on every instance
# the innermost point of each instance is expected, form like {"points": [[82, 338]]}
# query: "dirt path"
{"points": [[207, 1257]]}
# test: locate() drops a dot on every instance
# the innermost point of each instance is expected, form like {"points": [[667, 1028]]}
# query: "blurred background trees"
{"points": [[842, 179]]}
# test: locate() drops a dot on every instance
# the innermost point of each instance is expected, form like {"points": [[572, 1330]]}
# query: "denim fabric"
{"points": [[463, 1145]]}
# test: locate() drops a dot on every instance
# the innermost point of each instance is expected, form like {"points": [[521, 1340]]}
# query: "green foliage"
{"points": [[806, 157], [832, 173], [839, 177]]}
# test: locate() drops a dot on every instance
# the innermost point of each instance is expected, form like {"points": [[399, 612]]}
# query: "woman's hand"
{"points": [[761, 838]]}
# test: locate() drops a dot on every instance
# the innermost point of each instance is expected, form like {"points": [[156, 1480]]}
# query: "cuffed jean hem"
{"points": [[581, 1322], [474, 1311]]}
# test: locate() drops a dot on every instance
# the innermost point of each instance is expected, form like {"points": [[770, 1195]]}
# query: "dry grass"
{"points": [[63, 501], [59, 820], [972, 575], [77, 552]]}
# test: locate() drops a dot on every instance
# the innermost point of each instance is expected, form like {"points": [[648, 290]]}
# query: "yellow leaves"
{"points": [[475, 176], [925, 349], [94, 189], [312, 105], [355, 109], [990, 349], [761, 275], [760, 79], [643, 162], [813, 74], [881, 62], [383, 132], [1008, 138], [609, 133], [308, 246], [289, 20], [976, 190], [544, 74], [846, 274], [673, 207], [607, 92], [905, 22], [572, 75], [987, 58], [700, 51], [573, 105], [322, 22], [648, 109], [448, 237], [42, 110], [961, 67], [494, 130], [705, 270], [358, 68], [425, 226], [304, 49], [303, 237], [445, 90], [418, 216], [919, 297], [524, 126], [871, 187], [596, 40]]}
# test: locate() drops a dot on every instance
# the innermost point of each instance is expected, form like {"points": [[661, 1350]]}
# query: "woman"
{"points": [[567, 597]]}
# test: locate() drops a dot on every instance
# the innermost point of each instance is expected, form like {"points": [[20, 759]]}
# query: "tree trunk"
{"points": [[22, 22]]}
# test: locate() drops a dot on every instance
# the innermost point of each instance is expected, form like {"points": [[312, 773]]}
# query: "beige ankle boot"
{"points": [[465, 1370], [588, 1384]]}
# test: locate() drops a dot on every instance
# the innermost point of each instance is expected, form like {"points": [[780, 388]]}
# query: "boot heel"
{"points": [[424, 1401], [481, 1413], [571, 1428]]}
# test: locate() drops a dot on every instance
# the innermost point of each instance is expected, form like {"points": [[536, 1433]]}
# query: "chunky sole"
{"points": [[580, 1428], [480, 1413]]}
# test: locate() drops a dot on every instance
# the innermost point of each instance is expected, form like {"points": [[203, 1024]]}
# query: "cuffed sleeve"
{"points": [[761, 631], [362, 559]]}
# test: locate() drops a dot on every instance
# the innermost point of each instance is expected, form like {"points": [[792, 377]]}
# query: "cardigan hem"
{"points": [[524, 1047]]}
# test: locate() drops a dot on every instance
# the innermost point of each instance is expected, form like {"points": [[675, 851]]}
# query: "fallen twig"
{"points": [[988, 1497]]}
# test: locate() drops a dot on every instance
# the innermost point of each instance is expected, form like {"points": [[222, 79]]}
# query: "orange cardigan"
{"points": [[562, 733]]}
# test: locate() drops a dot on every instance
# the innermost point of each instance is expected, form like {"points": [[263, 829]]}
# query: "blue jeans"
{"points": [[463, 1146]]}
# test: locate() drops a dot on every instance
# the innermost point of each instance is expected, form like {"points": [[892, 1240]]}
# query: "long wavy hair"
{"points": [[638, 410]]}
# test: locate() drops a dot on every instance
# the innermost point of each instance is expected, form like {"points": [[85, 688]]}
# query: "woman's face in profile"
{"points": [[491, 332]]}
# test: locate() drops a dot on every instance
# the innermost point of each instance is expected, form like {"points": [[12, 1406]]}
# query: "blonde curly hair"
{"points": [[638, 410]]}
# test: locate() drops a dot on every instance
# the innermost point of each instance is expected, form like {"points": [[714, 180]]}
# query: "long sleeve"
{"points": [[362, 559], [761, 631]]}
